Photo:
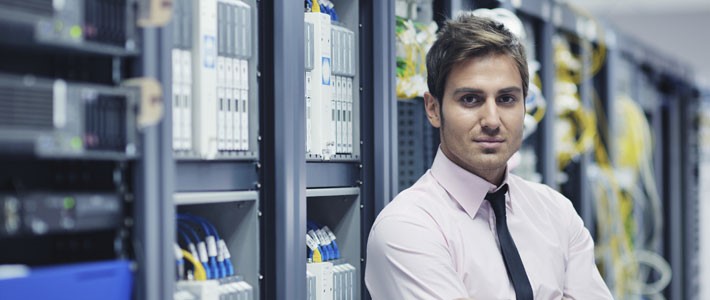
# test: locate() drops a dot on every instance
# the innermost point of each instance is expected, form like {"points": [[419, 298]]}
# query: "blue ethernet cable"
{"points": [[325, 253], [227, 258], [334, 15], [180, 264], [220, 268], [336, 250], [184, 237], [190, 218], [189, 244], [210, 265], [326, 250], [310, 225], [183, 228], [321, 249], [334, 245], [187, 231]]}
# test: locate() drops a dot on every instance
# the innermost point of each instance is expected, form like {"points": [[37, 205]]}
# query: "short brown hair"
{"points": [[467, 37]]}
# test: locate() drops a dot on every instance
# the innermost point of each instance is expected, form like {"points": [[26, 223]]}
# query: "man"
{"points": [[469, 228]]}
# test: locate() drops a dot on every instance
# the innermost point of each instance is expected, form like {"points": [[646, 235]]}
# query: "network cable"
{"points": [[220, 265], [321, 242], [200, 273], [183, 230], [198, 251], [323, 6], [218, 269], [330, 233], [224, 264], [625, 251], [317, 238], [179, 261]]}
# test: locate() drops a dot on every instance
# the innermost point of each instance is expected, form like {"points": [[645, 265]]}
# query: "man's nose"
{"points": [[490, 119]]}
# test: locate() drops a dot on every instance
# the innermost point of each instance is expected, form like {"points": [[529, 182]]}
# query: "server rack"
{"points": [[73, 117], [215, 167], [309, 188]]}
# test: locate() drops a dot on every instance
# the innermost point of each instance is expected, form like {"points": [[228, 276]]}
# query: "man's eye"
{"points": [[469, 99], [506, 99]]}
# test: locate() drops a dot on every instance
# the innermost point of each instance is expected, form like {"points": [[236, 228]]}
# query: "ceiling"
{"points": [[677, 28]]}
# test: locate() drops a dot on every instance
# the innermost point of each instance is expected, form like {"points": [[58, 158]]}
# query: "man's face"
{"points": [[484, 109]]}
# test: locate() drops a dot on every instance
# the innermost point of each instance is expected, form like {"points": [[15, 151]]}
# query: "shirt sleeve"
{"points": [[582, 280], [407, 258]]}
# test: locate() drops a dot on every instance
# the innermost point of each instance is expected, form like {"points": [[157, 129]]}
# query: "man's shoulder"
{"points": [[422, 200], [413, 200], [540, 191], [531, 186]]}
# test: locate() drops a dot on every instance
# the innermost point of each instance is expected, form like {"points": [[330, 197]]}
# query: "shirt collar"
{"points": [[466, 188]]}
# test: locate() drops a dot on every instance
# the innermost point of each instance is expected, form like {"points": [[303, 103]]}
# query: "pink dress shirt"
{"points": [[437, 240]]}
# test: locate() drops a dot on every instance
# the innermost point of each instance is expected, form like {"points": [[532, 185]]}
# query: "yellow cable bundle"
{"points": [[576, 125], [598, 51], [635, 143], [625, 257], [200, 273], [317, 257], [315, 6], [615, 249]]}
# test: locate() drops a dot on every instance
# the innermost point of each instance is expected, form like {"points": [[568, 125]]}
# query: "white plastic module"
{"points": [[234, 99], [322, 127], [177, 99], [221, 107], [310, 286], [221, 78], [217, 289], [349, 115], [323, 273], [186, 108], [205, 78], [180, 83], [343, 75], [244, 112], [308, 91]]}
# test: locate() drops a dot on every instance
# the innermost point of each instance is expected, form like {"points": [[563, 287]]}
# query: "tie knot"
{"points": [[497, 200], [499, 194]]}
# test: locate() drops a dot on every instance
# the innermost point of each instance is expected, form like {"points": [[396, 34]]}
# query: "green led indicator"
{"points": [[58, 26], [76, 143], [69, 202], [75, 32]]}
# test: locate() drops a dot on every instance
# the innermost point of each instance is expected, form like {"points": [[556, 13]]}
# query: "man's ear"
{"points": [[433, 109]]}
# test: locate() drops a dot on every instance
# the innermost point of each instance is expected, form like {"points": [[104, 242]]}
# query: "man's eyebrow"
{"points": [[512, 89], [467, 90]]}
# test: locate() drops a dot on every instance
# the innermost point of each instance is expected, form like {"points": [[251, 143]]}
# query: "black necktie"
{"points": [[513, 264]]}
